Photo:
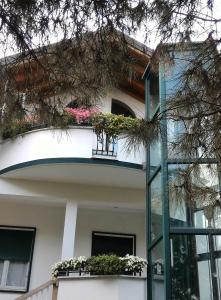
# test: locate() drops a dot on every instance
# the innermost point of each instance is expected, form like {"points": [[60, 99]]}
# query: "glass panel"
{"points": [[205, 285], [218, 274], [16, 244], [154, 95], [193, 193], [156, 206], [181, 142], [157, 272], [17, 274], [191, 268], [202, 245], [217, 243], [217, 254], [155, 155], [1, 269], [175, 130]]}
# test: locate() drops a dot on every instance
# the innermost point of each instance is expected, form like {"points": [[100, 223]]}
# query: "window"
{"points": [[119, 108], [113, 243], [154, 99], [77, 103], [73, 104], [16, 249]]}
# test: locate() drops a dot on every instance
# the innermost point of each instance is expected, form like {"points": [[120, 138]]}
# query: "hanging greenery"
{"points": [[107, 123], [113, 125]]}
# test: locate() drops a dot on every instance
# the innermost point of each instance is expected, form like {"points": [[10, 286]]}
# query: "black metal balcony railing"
{"points": [[105, 145]]}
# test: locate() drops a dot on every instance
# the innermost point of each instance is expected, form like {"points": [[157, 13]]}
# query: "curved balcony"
{"points": [[71, 155]]}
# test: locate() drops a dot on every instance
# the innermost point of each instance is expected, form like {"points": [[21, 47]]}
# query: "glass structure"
{"points": [[183, 228]]}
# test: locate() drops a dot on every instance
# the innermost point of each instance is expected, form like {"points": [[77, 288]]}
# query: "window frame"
{"points": [[6, 263]]}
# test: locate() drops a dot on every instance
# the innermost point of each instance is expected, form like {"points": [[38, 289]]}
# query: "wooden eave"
{"points": [[136, 87], [38, 78]]}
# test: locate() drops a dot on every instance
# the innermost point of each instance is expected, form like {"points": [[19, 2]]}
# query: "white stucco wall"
{"points": [[49, 222], [56, 143], [108, 221], [105, 103], [137, 107], [99, 288], [49, 229], [46, 143]]}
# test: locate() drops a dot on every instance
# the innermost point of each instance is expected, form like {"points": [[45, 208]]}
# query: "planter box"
{"points": [[102, 287]]}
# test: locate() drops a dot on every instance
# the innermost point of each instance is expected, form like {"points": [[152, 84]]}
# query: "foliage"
{"points": [[104, 265], [89, 36], [196, 185], [101, 265], [136, 131], [25, 124], [110, 124], [15, 128], [22, 21], [47, 76]]}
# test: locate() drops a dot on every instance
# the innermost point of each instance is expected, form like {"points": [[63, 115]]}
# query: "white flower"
{"points": [[134, 263]]}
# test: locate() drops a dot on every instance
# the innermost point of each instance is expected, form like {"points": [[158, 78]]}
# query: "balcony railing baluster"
{"points": [[105, 145]]}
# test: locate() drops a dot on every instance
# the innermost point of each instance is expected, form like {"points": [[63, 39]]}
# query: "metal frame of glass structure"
{"points": [[161, 242]]}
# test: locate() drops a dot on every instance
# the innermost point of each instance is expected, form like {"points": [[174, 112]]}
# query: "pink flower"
{"points": [[81, 114]]}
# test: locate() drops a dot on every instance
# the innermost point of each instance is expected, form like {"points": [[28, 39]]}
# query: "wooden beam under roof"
{"points": [[39, 78]]}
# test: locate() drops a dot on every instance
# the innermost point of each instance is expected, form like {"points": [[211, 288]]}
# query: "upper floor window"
{"points": [[79, 104], [154, 100], [15, 257], [120, 108], [73, 104], [113, 243]]}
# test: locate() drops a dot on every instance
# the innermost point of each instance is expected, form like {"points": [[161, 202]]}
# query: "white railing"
{"points": [[46, 291]]}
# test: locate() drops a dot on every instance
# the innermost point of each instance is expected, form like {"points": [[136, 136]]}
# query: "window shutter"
{"points": [[16, 245]]}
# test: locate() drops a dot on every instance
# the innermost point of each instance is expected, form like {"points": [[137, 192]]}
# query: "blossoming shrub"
{"points": [[101, 265], [133, 263], [81, 115], [73, 264], [109, 124]]}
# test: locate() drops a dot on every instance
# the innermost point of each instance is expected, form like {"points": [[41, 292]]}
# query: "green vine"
{"points": [[113, 125]]}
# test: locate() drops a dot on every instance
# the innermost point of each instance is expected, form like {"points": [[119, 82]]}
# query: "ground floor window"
{"points": [[16, 249], [113, 243]]}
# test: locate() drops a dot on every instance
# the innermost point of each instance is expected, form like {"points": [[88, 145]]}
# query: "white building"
{"points": [[59, 199]]}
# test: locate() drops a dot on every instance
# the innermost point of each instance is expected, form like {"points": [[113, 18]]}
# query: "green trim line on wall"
{"points": [[72, 160]]}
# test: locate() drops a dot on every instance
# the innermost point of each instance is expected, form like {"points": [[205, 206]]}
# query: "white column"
{"points": [[69, 230]]}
